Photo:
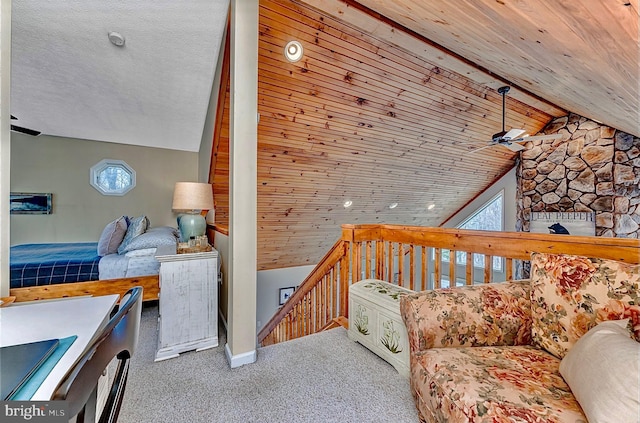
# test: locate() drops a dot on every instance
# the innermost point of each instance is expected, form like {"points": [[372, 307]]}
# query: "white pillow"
{"points": [[602, 371], [153, 238], [137, 226], [112, 236]]}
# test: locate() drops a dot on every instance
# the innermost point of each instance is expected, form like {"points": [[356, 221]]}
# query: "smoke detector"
{"points": [[116, 39]]}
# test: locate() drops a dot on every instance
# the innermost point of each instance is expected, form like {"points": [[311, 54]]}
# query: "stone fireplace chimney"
{"points": [[593, 168]]}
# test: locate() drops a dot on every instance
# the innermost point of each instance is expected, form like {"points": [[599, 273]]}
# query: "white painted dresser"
{"points": [[375, 321], [188, 304]]}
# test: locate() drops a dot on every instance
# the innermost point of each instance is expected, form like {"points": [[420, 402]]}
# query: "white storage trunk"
{"points": [[375, 322]]}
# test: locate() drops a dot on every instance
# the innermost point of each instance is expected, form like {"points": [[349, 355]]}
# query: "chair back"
{"points": [[117, 340]]}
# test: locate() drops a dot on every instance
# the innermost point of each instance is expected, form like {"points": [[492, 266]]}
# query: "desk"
{"points": [[39, 320]]}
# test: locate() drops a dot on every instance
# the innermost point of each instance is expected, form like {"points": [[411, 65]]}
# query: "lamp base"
{"points": [[191, 225]]}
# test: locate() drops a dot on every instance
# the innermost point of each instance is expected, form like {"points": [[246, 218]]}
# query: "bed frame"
{"points": [[150, 285]]}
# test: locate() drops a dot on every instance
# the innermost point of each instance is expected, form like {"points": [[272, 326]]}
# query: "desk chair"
{"points": [[118, 339]]}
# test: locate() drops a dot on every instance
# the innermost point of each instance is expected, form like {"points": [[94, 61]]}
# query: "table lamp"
{"points": [[191, 198]]}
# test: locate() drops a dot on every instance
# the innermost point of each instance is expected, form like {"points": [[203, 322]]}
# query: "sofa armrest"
{"points": [[481, 315]]}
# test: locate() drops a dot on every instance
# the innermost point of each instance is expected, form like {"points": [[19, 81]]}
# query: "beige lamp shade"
{"points": [[190, 196]]}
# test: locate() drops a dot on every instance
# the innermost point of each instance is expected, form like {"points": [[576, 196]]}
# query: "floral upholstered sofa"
{"points": [[530, 351]]}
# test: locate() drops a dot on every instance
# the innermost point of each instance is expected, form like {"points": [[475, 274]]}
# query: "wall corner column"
{"points": [[241, 347]]}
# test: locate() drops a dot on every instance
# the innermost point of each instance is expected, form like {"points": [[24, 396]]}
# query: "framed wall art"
{"points": [[285, 293], [30, 203]]}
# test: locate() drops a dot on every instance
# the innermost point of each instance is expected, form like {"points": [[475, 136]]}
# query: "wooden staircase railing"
{"points": [[418, 258]]}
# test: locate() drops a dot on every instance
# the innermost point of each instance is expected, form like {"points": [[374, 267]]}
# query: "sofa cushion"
{"points": [[602, 370], [489, 384], [480, 315], [571, 294]]}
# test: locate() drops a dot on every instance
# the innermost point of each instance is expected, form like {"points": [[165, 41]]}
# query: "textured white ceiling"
{"points": [[69, 80]]}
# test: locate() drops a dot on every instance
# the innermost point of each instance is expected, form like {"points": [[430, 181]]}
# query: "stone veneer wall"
{"points": [[593, 168]]}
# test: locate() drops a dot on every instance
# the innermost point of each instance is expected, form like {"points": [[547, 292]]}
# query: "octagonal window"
{"points": [[113, 177]]}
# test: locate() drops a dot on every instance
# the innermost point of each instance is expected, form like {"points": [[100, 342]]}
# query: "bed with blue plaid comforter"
{"points": [[53, 263]]}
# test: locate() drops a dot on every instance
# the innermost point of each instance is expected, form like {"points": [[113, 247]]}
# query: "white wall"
{"points": [[269, 284], [61, 166], [5, 142]]}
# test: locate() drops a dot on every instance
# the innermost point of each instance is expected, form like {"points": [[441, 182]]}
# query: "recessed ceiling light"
{"points": [[293, 51], [431, 206], [116, 39], [348, 203], [393, 205]]}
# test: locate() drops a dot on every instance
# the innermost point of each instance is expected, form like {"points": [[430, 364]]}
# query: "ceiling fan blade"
{"points": [[27, 131], [513, 133], [513, 146], [539, 137], [22, 129], [480, 148]]}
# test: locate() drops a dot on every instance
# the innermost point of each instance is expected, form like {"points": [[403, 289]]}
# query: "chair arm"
{"points": [[492, 314]]}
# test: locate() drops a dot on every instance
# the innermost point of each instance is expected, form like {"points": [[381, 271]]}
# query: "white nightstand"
{"points": [[188, 305]]}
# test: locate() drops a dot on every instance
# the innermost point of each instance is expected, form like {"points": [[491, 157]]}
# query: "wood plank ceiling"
{"points": [[580, 55], [381, 119]]}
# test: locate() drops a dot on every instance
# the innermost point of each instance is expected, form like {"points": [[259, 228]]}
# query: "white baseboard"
{"points": [[240, 359]]}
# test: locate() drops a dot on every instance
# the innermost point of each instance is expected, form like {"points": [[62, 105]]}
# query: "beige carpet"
{"points": [[320, 378]]}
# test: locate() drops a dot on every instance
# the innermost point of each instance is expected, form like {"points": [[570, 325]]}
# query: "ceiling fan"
{"points": [[22, 129], [511, 138]]}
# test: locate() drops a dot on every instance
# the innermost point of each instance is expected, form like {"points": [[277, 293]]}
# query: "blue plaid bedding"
{"points": [[46, 264]]}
